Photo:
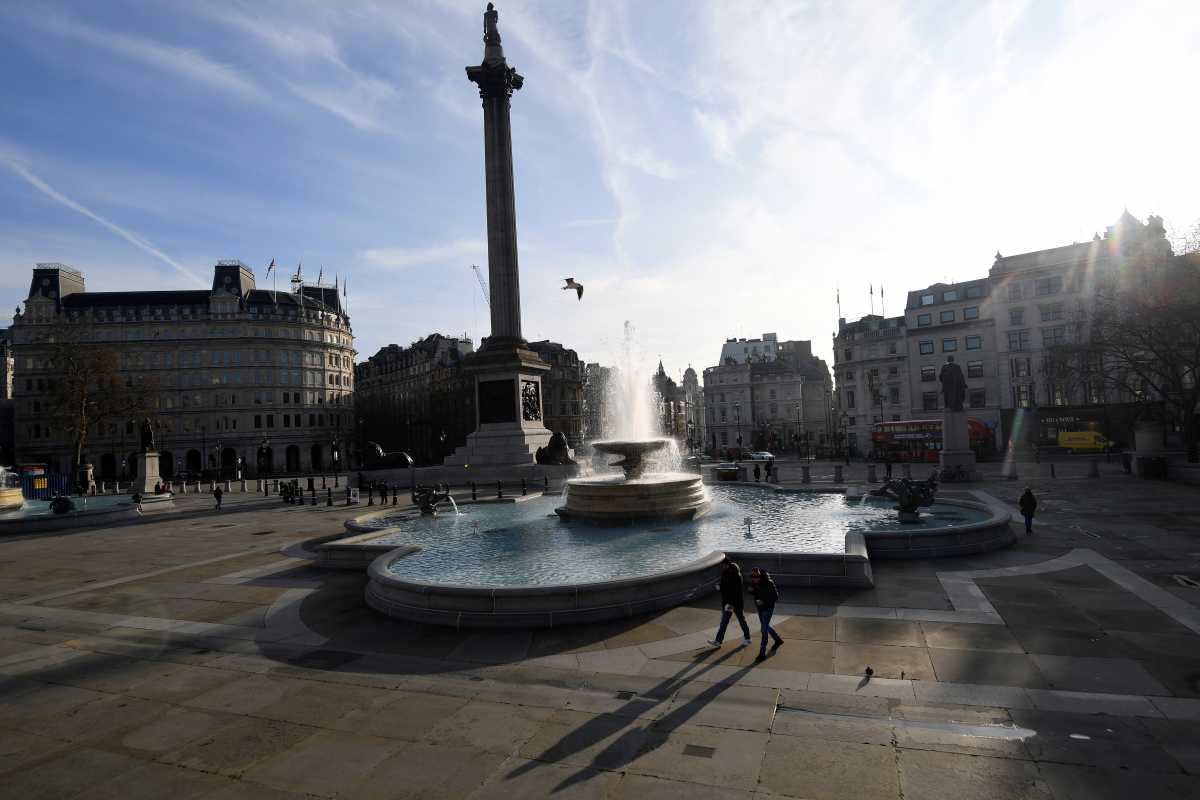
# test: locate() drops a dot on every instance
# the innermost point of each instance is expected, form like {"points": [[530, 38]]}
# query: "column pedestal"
{"points": [[508, 408], [956, 444], [147, 473]]}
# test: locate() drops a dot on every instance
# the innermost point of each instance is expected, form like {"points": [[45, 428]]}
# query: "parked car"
{"points": [[761, 455], [727, 471]]}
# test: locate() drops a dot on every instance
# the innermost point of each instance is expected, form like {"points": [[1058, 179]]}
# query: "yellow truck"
{"points": [[1082, 441]]}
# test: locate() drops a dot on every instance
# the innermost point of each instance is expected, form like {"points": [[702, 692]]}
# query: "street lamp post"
{"points": [[846, 429], [203, 449], [737, 415]]}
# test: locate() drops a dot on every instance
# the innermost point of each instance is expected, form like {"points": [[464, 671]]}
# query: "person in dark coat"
{"points": [[217, 495], [1028, 505], [757, 473], [732, 602], [762, 587]]}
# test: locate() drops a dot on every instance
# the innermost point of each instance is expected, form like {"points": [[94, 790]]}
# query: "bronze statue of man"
{"points": [[954, 385], [491, 34], [147, 435]]}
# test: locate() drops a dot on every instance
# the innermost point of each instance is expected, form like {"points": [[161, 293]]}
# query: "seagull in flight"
{"points": [[578, 287]]}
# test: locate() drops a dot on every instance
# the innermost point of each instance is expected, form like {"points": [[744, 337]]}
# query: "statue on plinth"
{"points": [[954, 385], [147, 435]]}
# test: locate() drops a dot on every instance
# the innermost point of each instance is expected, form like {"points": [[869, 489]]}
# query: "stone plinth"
{"points": [[956, 443], [147, 473]]}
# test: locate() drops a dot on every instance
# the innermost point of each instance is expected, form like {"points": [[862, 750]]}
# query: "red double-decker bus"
{"points": [[921, 440]]}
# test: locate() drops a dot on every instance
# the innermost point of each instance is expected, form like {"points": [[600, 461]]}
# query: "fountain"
{"points": [[636, 495]]}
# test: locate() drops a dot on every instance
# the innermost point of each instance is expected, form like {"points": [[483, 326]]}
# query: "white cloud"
{"points": [[129, 236], [405, 257]]}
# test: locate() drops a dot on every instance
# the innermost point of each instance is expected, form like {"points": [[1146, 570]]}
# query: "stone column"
{"points": [[497, 81]]}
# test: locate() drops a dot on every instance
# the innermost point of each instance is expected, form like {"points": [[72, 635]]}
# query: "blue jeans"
{"points": [[1028, 523], [725, 616], [764, 619]]}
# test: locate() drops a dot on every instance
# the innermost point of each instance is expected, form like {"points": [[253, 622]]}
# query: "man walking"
{"points": [[217, 495], [765, 596], [1028, 505], [732, 602]]}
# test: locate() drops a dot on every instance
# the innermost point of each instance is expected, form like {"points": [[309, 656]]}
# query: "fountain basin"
{"points": [[612, 500]]}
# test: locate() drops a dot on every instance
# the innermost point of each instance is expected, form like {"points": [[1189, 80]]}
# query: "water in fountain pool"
{"points": [[526, 544]]}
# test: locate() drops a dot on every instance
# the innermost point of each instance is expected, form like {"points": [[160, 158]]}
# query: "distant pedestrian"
{"points": [[218, 493], [1028, 504], [732, 603], [887, 466], [137, 501], [765, 596], [757, 473], [767, 471]]}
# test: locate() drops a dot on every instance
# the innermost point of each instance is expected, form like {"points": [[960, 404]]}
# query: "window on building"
{"points": [[926, 347], [929, 401], [287, 421], [724, 437], [1018, 341], [1014, 291], [949, 345], [1021, 368], [974, 342], [1051, 311], [891, 348], [974, 369], [928, 299], [924, 320], [950, 296], [894, 395], [977, 398], [928, 374], [270, 420], [296, 421], [258, 420], [1056, 394], [849, 354], [893, 370], [947, 316], [974, 291], [1052, 337], [849, 398], [1043, 287], [1023, 395], [971, 312], [1016, 316]]}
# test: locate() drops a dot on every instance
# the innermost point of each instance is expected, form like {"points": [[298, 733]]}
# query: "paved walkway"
{"points": [[189, 657]]}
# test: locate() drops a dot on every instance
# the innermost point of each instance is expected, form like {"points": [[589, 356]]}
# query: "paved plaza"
{"points": [[200, 655]]}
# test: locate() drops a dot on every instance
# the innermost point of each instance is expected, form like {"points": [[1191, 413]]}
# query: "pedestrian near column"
{"points": [[757, 473], [762, 587], [217, 495], [1028, 504], [887, 466], [732, 602]]}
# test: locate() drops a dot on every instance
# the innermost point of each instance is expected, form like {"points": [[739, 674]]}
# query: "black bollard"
{"points": [[1052, 475], [545, 483], [347, 494], [322, 481], [313, 494], [328, 495], [383, 494], [524, 488], [371, 494], [472, 490], [499, 490], [395, 495]]}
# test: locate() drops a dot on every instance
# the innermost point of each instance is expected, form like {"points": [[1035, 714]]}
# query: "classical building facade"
{"points": [[7, 431], [416, 399], [871, 364], [739, 351], [562, 390], [239, 379], [956, 321], [780, 403], [596, 408]]}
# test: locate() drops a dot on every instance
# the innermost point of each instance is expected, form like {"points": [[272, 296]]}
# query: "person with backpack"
{"points": [[218, 493], [732, 602], [766, 595], [1028, 505]]}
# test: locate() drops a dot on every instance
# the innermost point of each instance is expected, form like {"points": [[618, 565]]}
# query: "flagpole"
{"points": [[872, 299], [882, 307]]}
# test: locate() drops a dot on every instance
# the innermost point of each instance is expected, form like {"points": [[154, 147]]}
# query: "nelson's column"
{"points": [[508, 382]]}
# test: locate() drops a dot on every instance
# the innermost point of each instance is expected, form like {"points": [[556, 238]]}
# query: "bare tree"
{"points": [[89, 388], [1141, 341]]}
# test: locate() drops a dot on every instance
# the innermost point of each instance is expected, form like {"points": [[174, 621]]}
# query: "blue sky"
{"points": [[705, 169]]}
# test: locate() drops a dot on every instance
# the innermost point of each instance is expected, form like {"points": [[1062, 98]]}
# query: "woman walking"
{"points": [[1028, 504], [765, 597], [732, 602]]}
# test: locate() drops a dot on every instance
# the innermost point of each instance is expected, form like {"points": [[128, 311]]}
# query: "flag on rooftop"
{"points": [[271, 266]]}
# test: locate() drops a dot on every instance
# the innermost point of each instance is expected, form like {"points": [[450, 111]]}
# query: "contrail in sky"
{"points": [[129, 236]]}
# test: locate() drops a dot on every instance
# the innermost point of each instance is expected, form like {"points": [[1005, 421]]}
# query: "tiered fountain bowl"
{"points": [[618, 499]]}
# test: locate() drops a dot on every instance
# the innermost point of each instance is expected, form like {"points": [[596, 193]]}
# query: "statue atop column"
{"points": [[954, 385], [491, 34]]}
